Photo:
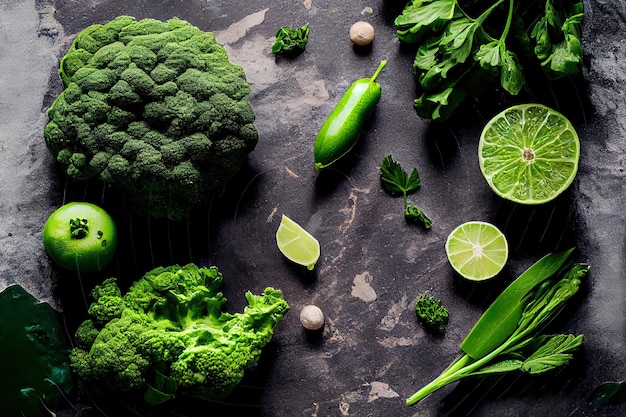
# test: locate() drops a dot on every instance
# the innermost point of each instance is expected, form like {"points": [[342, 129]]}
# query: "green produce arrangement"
{"points": [[157, 110]]}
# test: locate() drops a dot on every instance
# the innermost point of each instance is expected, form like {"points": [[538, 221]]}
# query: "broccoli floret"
{"points": [[86, 334], [172, 324], [432, 313], [106, 305], [170, 87]]}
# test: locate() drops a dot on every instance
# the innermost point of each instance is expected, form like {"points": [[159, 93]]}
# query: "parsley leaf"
{"points": [[465, 47], [291, 40], [396, 181]]}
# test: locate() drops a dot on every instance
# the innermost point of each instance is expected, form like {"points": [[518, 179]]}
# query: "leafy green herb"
{"points": [[558, 43], [396, 181], [291, 40], [524, 349], [464, 47]]}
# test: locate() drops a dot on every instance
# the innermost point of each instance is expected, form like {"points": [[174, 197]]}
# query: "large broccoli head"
{"points": [[155, 109], [169, 326]]}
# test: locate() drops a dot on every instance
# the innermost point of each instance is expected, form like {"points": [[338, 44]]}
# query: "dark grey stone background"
{"points": [[372, 353]]}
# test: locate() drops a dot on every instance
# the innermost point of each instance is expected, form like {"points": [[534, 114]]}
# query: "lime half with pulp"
{"points": [[297, 244], [529, 153], [477, 250]]}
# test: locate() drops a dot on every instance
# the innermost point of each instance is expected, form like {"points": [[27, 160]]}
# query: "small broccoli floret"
{"points": [[169, 87], [107, 301], [209, 373], [432, 312], [86, 334], [172, 324]]}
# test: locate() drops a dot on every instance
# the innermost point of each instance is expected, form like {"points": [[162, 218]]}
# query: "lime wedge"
{"points": [[297, 244], [529, 153], [477, 250]]}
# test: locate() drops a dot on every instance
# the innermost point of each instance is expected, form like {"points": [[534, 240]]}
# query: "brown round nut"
{"points": [[361, 33], [311, 317]]}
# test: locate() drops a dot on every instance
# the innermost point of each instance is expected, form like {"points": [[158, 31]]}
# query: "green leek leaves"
{"points": [[507, 338]]}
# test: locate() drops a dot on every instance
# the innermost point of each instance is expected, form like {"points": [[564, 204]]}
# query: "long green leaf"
{"points": [[609, 393], [500, 320]]}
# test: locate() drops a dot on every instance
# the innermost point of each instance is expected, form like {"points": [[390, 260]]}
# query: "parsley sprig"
{"points": [[396, 181], [291, 41], [464, 46]]}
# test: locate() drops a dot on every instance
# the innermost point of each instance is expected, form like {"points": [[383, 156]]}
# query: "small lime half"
{"points": [[297, 244], [477, 250], [529, 153]]}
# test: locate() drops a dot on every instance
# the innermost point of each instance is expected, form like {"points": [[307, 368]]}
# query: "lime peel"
{"points": [[298, 245], [477, 250]]}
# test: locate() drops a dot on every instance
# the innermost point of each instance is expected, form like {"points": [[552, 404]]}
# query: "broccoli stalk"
{"points": [[168, 334]]}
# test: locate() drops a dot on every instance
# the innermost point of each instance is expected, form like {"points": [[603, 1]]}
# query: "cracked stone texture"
{"points": [[372, 353]]}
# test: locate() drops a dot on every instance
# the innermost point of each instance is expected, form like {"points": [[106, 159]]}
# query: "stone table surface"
{"points": [[372, 353]]}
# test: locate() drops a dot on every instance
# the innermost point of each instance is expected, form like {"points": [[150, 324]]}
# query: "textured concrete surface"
{"points": [[372, 353]]}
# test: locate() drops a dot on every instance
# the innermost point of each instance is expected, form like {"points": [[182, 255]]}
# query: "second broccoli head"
{"points": [[154, 108], [168, 334]]}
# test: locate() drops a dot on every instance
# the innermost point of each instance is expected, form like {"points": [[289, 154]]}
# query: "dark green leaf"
{"points": [[395, 179], [609, 393], [34, 352], [426, 56], [439, 105], [566, 59], [488, 55], [291, 40], [459, 39], [161, 390], [543, 43]]}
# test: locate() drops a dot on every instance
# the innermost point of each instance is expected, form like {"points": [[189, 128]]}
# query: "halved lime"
{"points": [[297, 244], [529, 153], [477, 250]]}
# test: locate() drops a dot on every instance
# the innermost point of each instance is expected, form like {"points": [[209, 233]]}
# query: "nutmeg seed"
{"points": [[311, 317], [361, 33]]}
